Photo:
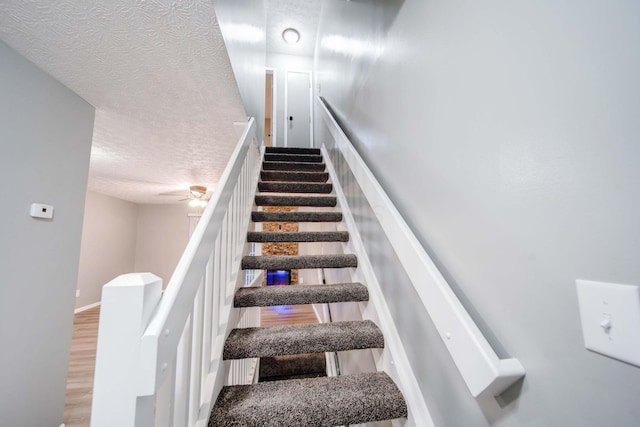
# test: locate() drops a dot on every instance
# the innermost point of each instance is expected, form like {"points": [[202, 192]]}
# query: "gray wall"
{"points": [[45, 140], [281, 63], [243, 26], [506, 134], [108, 248]]}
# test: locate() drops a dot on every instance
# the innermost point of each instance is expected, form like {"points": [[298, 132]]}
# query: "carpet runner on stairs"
{"points": [[296, 216], [292, 356], [265, 296], [293, 150], [296, 339], [328, 401], [293, 166], [297, 236], [298, 158], [315, 201], [289, 262], [294, 176], [294, 187]]}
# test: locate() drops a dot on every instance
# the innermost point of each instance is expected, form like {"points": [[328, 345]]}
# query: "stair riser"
{"points": [[293, 167], [293, 262], [278, 236], [296, 216], [292, 150], [319, 201], [300, 158], [294, 187], [280, 176], [313, 364]]}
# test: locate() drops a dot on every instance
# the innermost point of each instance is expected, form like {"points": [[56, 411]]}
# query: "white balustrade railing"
{"points": [[159, 357], [484, 373]]}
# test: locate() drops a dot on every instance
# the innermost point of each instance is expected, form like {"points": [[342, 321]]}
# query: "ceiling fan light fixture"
{"points": [[291, 35], [198, 191]]}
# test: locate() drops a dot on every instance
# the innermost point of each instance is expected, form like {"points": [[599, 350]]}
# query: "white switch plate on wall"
{"points": [[610, 315]]}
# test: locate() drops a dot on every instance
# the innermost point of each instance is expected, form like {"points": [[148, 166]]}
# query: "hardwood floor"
{"points": [[77, 406], [287, 315]]}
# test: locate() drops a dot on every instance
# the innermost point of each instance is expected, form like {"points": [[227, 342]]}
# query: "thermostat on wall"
{"points": [[38, 210]]}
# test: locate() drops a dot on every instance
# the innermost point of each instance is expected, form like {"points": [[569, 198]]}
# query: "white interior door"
{"points": [[297, 109]]}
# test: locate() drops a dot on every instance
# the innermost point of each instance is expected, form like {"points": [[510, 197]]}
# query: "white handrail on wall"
{"points": [[159, 357], [482, 370]]}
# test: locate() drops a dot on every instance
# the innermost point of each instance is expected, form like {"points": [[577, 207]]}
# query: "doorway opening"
{"points": [[269, 108]]}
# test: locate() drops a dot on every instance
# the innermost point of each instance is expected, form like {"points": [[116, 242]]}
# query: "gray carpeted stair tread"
{"points": [[316, 402], [316, 201], [294, 187], [299, 158], [278, 262], [260, 216], [293, 166], [265, 296], [285, 176], [292, 364], [297, 339], [297, 236], [292, 150]]}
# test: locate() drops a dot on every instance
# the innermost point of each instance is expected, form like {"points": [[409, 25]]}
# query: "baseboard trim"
{"points": [[86, 307]]}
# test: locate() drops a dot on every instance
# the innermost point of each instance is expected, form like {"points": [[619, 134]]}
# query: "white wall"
{"points": [[163, 234], [108, 245], [45, 140], [281, 63], [506, 133]]}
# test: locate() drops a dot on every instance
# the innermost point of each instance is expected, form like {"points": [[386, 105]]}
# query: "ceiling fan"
{"points": [[197, 195]]}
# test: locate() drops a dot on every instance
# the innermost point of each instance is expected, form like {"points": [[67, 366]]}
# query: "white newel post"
{"points": [[128, 302]]}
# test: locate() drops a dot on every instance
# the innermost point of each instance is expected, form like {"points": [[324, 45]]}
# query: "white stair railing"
{"points": [[484, 373], [159, 357]]}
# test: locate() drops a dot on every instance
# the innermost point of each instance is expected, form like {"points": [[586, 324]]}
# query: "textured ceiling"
{"points": [[303, 15], [157, 73]]}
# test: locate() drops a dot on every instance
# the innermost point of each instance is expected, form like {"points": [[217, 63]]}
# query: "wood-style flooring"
{"points": [[287, 315], [77, 407]]}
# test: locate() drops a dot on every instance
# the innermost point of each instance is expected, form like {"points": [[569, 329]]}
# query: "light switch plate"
{"points": [[610, 315]]}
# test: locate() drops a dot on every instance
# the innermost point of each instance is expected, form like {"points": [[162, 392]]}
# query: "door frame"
{"points": [[274, 103], [286, 99]]}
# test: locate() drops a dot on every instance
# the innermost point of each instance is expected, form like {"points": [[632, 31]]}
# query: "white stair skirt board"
{"points": [[484, 373], [394, 360]]}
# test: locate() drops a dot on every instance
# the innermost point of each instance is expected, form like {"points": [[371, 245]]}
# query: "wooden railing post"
{"points": [[128, 302]]}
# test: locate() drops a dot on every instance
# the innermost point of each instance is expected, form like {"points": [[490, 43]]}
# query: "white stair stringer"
{"points": [[393, 359]]}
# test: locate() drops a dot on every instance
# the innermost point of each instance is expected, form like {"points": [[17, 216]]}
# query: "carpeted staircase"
{"points": [[305, 398]]}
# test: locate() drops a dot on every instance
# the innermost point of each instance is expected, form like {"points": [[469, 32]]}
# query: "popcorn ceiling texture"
{"points": [[159, 76]]}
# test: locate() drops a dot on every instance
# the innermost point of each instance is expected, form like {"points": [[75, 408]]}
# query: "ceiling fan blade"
{"points": [[175, 193]]}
